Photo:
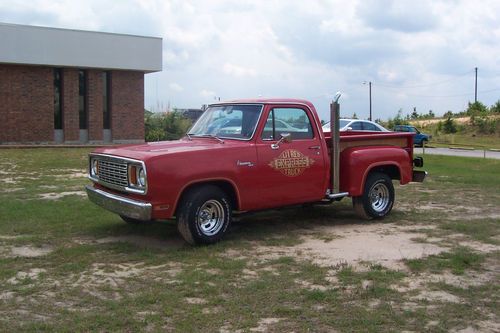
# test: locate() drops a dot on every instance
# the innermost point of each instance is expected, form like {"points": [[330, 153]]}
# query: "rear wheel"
{"points": [[377, 199], [204, 215]]}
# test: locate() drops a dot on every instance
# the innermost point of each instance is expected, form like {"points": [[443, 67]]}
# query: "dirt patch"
{"points": [[7, 295], [12, 190], [5, 237], [486, 326], [311, 286], [107, 281], [114, 275], [30, 252], [56, 196], [383, 244], [73, 173], [9, 181], [32, 274], [264, 323], [195, 300], [436, 296], [481, 247]]}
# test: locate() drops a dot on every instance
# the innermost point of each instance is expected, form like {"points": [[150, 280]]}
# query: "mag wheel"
{"points": [[204, 215], [378, 197]]}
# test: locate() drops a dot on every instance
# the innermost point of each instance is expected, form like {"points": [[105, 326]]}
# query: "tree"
{"points": [[495, 108], [449, 126], [414, 114], [398, 120], [476, 109], [448, 114], [354, 116], [165, 126]]}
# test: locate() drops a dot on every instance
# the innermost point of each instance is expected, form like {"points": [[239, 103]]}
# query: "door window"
{"points": [[287, 120], [356, 126], [370, 127]]}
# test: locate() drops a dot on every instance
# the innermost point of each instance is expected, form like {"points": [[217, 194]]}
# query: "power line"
{"points": [[388, 85], [455, 95]]}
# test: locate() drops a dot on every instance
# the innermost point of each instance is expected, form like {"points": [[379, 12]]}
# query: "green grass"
{"points": [[457, 261], [484, 230], [151, 280], [459, 171]]}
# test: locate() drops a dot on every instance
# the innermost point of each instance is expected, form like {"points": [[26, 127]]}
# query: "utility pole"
{"points": [[370, 88], [475, 87], [370, 94]]}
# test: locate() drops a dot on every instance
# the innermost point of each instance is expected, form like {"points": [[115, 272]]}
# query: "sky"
{"points": [[417, 54]]}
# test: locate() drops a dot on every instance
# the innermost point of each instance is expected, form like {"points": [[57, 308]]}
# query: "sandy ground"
{"points": [[378, 243]]}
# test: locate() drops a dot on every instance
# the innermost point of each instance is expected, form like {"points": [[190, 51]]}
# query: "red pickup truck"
{"points": [[249, 155]]}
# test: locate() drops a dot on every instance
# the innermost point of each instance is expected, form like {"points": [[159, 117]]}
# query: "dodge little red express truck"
{"points": [[250, 155]]}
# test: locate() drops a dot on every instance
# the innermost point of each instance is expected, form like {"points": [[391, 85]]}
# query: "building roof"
{"points": [[32, 45]]}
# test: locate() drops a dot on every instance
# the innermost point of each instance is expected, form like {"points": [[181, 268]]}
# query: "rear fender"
{"points": [[357, 162]]}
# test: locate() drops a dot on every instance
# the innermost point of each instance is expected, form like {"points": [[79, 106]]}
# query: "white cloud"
{"points": [[238, 71], [176, 87], [307, 49], [205, 93]]}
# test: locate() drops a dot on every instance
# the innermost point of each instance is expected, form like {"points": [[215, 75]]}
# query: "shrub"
{"points": [[165, 126], [449, 126]]}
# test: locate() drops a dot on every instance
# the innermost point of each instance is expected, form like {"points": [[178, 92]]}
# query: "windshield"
{"points": [[228, 121]]}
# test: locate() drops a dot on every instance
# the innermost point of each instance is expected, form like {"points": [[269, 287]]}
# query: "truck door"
{"points": [[289, 172]]}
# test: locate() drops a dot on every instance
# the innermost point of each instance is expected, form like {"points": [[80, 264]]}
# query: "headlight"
{"points": [[137, 176], [94, 167], [141, 177]]}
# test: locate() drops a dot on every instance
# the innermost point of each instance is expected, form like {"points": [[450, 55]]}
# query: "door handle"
{"points": [[315, 147]]}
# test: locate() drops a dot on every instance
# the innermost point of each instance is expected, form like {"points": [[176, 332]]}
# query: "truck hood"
{"points": [[149, 150]]}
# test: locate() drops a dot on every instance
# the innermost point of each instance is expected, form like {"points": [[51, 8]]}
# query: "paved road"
{"points": [[459, 152]]}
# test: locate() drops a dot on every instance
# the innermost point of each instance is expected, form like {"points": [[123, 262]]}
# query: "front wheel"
{"points": [[204, 215], [378, 197]]}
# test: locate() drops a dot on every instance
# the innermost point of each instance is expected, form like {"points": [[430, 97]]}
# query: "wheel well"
{"points": [[391, 170], [226, 186]]}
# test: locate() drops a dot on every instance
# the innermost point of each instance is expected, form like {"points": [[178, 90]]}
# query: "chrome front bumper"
{"points": [[120, 205]]}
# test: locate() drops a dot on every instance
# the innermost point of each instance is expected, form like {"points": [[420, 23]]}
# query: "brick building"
{"points": [[73, 87]]}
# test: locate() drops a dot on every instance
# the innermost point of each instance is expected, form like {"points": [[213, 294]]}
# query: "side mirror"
{"points": [[349, 128], [285, 137]]}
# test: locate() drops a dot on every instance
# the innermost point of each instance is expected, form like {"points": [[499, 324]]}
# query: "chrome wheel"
{"points": [[379, 197], [210, 218]]}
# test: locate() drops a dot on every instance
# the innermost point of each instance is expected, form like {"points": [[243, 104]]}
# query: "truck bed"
{"points": [[363, 138]]}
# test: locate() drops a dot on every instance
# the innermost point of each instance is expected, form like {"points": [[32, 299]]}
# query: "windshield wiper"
{"points": [[213, 136]]}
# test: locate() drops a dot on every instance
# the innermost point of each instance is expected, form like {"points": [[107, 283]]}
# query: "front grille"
{"points": [[113, 172]]}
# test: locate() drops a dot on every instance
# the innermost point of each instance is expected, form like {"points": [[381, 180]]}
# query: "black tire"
{"points": [[130, 220], [204, 215], [377, 199]]}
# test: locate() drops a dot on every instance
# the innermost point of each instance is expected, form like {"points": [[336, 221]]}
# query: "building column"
{"points": [[70, 105], [127, 106], [95, 105]]}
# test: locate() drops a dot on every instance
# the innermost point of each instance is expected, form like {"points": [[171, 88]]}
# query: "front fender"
{"points": [[357, 162]]}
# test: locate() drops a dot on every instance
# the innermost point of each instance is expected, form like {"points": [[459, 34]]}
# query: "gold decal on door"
{"points": [[291, 163]]}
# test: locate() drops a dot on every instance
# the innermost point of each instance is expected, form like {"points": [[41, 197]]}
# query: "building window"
{"points": [[58, 117], [106, 100], [82, 99]]}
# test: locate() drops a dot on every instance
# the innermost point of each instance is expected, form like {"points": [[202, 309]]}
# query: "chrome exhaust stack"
{"points": [[335, 157]]}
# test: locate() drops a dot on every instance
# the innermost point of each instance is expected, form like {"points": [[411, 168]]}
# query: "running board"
{"points": [[337, 195]]}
